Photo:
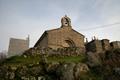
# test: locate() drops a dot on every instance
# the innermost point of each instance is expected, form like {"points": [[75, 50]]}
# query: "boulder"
{"points": [[93, 59], [65, 71], [78, 69]]}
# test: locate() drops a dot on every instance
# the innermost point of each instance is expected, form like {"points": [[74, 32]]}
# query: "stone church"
{"points": [[65, 36]]}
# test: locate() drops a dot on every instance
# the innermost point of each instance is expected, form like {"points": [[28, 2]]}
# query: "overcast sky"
{"points": [[18, 18]]}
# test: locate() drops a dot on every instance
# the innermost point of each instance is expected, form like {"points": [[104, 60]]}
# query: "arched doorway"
{"points": [[70, 43]]}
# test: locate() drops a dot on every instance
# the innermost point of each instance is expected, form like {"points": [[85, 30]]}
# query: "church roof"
{"points": [[43, 35], [48, 31], [60, 28]]}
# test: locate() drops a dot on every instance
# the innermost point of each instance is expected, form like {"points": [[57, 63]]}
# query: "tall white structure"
{"points": [[17, 46]]}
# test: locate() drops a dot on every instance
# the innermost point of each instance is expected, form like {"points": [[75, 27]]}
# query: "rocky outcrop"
{"points": [[78, 69], [93, 59], [48, 71], [97, 67], [65, 71]]}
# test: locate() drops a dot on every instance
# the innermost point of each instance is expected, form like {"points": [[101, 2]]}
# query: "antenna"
{"points": [[28, 40]]}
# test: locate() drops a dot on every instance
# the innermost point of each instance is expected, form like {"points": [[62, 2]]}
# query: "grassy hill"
{"points": [[93, 66], [24, 60]]}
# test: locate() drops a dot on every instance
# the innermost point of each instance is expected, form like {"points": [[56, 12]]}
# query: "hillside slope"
{"points": [[90, 66]]}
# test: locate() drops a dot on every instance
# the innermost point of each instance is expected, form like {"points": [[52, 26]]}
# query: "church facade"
{"points": [[65, 36]]}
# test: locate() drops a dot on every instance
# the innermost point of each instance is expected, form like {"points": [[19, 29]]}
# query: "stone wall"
{"points": [[101, 45], [105, 44], [94, 46], [44, 41], [17, 46], [115, 44], [58, 38], [49, 51]]}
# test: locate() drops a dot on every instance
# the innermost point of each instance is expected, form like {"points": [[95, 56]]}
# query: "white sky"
{"points": [[18, 18]]}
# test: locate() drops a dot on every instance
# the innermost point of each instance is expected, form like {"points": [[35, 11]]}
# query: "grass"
{"points": [[21, 60], [66, 59]]}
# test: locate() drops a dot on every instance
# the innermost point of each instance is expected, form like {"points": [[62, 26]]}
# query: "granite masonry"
{"points": [[17, 46], [62, 37]]}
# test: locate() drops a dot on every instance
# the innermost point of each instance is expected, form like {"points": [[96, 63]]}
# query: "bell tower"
{"points": [[65, 21]]}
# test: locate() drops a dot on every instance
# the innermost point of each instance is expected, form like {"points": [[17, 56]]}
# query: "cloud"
{"points": [[18, 18]]}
